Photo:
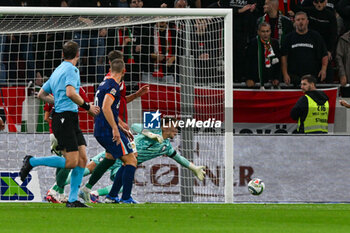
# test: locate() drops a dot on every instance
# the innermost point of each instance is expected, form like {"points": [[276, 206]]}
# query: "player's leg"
{"points": [[128, 172], [55, 194], [117, 183], [66, 135], [117, 176], [29, 162], [61, 178], [130, 162], [102, 191], [88, 170], [76, 179], [75, 153], [100, 169]]}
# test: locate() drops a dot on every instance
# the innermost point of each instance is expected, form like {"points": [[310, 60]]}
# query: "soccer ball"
{"points": [[256, 186]]}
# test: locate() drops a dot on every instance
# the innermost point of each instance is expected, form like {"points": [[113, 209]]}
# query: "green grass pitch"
{"points": [[179, 218]]}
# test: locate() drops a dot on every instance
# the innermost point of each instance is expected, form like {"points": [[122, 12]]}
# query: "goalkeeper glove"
{"points": [[198, 171], [54, 144], [153, 136]]}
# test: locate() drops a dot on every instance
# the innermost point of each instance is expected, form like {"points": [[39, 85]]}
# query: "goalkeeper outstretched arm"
{"points": [[157, 136], [197, 170], [138, 128]]}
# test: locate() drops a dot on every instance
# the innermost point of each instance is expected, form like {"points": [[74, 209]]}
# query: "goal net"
{"points": [[183, 55]]}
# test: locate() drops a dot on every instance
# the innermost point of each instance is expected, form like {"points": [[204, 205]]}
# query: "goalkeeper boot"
{"points": [[76, 204], [84, 193], [52, 196], [62, 198], [129, 201], [110, 199], [26, 167]]}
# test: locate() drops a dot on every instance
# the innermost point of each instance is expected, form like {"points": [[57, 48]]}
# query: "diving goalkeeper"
{"points": [[149, 144]]}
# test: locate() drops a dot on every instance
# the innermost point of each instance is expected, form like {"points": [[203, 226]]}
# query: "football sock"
{"points": [[118, 182], [50, 161], [128, 178], [55, 187], [104, 191], [86, 172], [77, 177], [98, 172], [61, 178]]}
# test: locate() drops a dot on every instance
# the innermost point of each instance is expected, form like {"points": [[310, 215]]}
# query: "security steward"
{"points": [[311, 110]]}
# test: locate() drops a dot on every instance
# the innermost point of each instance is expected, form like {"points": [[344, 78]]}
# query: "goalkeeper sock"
{"points": [[98, 172], [104, 191], [50, 161], [118, 182], [77, 177], [86, 172], [55, 187], [61, 178], [128, 178]]}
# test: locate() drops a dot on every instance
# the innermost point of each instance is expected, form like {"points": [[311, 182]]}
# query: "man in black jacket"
{"points": [[263, 59], [311, 110]]}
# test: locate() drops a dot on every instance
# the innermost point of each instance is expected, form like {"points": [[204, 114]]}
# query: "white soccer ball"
{"points": [[256, 186]]}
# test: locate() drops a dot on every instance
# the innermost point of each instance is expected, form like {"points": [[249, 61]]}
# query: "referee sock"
{"points": [[77, 177], [128, 178], [50, 161], [98, 172], [118, 182], [86, 172]]}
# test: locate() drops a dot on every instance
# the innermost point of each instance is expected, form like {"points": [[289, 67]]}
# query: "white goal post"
{"points": [[14, 20]]}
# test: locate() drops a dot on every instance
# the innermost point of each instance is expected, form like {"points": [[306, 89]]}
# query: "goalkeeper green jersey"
{"points": [[146, 149]]}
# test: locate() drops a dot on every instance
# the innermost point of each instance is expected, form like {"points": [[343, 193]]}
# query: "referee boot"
{"points": [[26, 167], [76, 204]]}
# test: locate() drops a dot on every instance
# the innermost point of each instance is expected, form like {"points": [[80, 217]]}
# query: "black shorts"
{"points": [[65, 127]]}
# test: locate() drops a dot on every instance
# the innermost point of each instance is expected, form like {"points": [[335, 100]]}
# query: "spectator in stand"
{"points": [[8, 3], [119, 3], [343, 8], [265, 51], [322, 20], [343, 58], [205, 50], [128, 41], [303, 52], [21, 64], [280, 24], [49, 47], [289, 7], [180, 4], [162, 53], [92, 44], [331, 4], [243, 28], [58, 3], [220, 4]]}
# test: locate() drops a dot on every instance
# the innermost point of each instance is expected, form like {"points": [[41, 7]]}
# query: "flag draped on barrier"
{"points": [[253, 109]]}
